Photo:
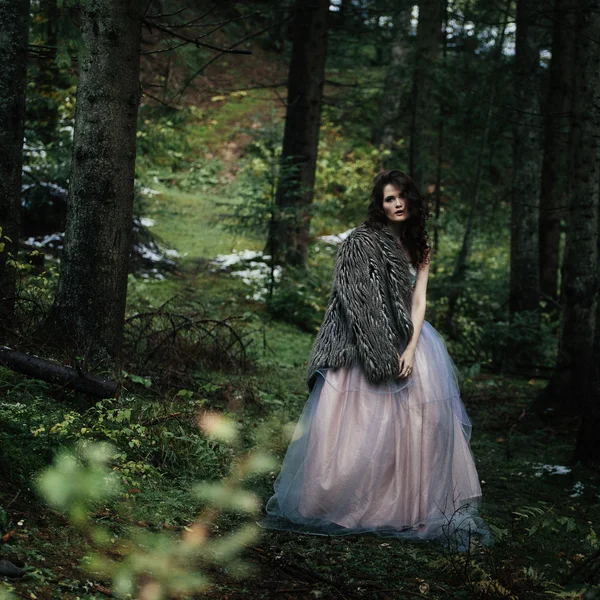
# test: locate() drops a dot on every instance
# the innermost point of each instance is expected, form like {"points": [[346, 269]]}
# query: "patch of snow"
{"points": [[54, 239], [550, 469], [147, 222], [156, 254], [577, 490], [149, 192], [257, 273], [148, 253], [224, 261], [152, 275], [335, 239], [255, 276], [61, 190]]}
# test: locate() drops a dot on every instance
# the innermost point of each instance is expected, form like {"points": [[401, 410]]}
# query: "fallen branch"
{"points": [[53, 372]]}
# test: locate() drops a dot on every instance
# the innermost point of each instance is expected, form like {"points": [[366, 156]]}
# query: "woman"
{"points": [[383, 442]]}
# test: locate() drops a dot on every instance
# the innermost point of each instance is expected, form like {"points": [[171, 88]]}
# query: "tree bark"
{"points": [[587, 448], [524, 243], [288, 237], [14, 32], [385, 129], [570, 384], [90, 304], [587, 445], [424, 106], [553, 194]]}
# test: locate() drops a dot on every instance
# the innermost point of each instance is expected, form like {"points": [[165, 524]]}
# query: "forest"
{"points": [[175, 180]]}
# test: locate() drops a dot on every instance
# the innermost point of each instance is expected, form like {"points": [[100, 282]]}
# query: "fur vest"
{"points": [[368, 312]]}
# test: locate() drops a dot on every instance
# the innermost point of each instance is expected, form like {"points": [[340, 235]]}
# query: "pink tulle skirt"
{"points": [[392, 459]]}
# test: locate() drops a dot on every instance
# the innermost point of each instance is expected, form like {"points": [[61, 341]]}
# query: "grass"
{"points": [[191, 224]]}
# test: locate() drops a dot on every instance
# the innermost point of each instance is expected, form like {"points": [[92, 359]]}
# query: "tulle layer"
{"points": [[391, 459]]}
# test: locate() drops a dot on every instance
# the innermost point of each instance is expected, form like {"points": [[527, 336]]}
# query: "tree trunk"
{"points": [[587, 448], [569, 385], [385, 129], [553, 196], [288, 238], [14, 30], [276, 39], [424, 106], [524, 243], [443, 115], [90, 304]]}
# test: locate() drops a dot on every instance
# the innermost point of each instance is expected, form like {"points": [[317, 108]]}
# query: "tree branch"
{"points": [[214, 58], [196, 42]]}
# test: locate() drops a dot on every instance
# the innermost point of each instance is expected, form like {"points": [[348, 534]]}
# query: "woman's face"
{"points": [[395, 206]]}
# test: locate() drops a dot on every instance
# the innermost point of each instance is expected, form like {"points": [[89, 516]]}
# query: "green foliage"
{"points": [[46, 175], [299, 296], [141, 448], [155, 563], [78, 482], [527, 340], [161, 141], [302, 294], [253, 207], [345, 169], [36, 290], [3, 521], [24, 403], [165, 150]]}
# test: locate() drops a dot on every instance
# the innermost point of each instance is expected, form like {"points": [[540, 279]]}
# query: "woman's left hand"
{"points": [[406, 363]]}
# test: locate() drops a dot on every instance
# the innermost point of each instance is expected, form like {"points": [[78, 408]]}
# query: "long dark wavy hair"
{"points": [[413, 235]]}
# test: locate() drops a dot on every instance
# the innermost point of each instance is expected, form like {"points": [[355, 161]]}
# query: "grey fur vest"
{"points": [[368, 312]]}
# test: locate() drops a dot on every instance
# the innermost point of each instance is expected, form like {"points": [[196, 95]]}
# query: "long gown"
{"points": [[393, 459]]}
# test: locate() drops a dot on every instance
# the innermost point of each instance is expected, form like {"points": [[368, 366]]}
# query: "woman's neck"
{"points": [[395, 228]]}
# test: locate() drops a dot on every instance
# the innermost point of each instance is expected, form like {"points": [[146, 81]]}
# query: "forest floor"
{"points": [[542, 514]]}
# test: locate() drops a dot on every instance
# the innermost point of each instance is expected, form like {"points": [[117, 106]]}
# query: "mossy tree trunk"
{"points": [[90, 304], [570, 387], [525, 201], [14, 30], [288, 235]]}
